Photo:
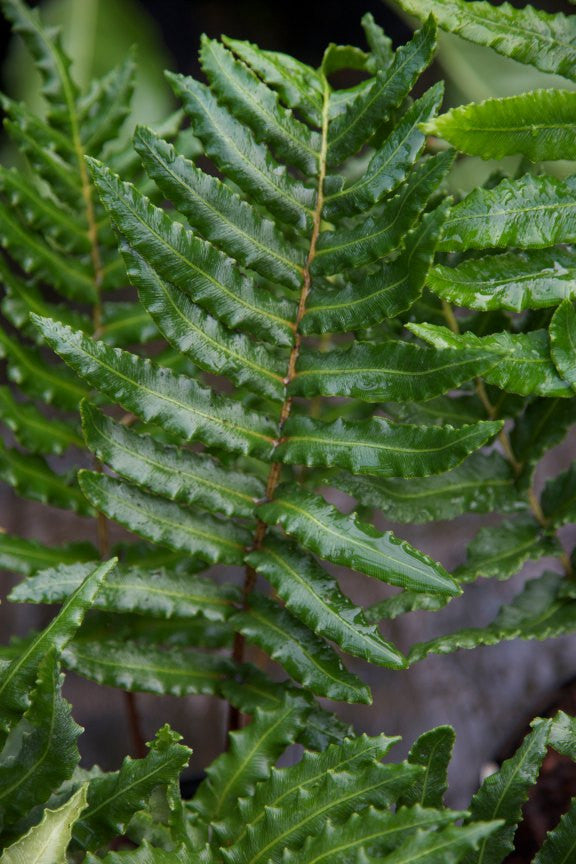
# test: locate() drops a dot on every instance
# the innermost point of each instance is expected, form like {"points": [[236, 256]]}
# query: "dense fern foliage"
{"points": [[320, 335]]}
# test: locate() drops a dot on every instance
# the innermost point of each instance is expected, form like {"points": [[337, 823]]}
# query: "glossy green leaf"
{"points": [[314, 597], [145, 668], [107, 105], [298, 85], [524, 364], [306, 810], [201, 536], [380, 44], [502, 795], [538, 612], [539, 125], [392, 289], [305, 656], [500, 551], [381, 448], [354, 127], [322, 529], [31, 477], [208, 343], [396, 371], [381, 830], [219, 214], [19, 675], [528, 35], [46, 843], [192, 264], [40, 751], [483, 483], [563, 341], [403, 602], [257, 106], [251, 754], [160, 593], [446, 846], [515, 281], [247, 162], [529, 213], [383, 231], [350, 754], [26, 556], [432, 750], [144, 854], [158, 395], [189, 478], [114, 797]]}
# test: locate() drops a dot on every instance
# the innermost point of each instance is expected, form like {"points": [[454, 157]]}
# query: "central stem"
{"points": [[276, 467]]}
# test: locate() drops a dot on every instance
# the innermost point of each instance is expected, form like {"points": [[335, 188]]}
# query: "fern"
{"points": [[304, 276]]}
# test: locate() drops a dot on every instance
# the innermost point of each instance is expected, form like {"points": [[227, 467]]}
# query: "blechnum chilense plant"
{"points": [[332, 323]]}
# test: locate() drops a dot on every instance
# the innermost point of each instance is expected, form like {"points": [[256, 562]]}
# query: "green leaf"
{"points": [[125, 324], [236, 152], [46, 843], [34, 431], [158, 395], [314, 597], [189, 478], [379, 447], [201, 536], [114, 797], [529, 213], [305, 656], [380, 44], [447, 846], [144, 854], [405, 601], [305, 811], [563, 341], [219, 214], [559, 846], [31, 477], [375, 372], [40, 751], [559, 498], [20, 674], [432, 750], [383, 231], [380, 830], [392, 289], [542, 425], [351, 754], [391, 165], [143, 667], [500, 551], [251, 754], [160, 593], [515, 281], [538, 612], [483, 483], [27, 556], [257, 106], [298, 85], [190, 263], [502, 795], [322, 529], [539, 125], [107, 105], [352, 129], [528, 35], [524, 363], [208, 343], [58, 87], [37, 378]]}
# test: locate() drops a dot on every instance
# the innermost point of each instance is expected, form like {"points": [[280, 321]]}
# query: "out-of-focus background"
{"points": [[488, 694]]}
